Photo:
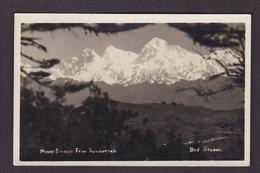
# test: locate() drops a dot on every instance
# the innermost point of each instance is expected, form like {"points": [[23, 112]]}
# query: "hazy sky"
{"points": [[63, 44]]}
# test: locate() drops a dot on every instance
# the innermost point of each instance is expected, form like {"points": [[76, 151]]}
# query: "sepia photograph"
{"points": [[132, 89]]}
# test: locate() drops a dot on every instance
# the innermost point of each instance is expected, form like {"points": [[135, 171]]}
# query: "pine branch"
{"points": [[30, 41], [106, 28]]}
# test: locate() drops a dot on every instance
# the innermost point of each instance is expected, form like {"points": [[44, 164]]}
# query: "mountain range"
{"points": [[158, 62]]}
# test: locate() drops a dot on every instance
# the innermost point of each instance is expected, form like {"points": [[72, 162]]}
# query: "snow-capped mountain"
{"points": [[158, 62]]}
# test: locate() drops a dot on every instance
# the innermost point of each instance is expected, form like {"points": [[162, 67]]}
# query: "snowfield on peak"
{"points": [[158, 62]]}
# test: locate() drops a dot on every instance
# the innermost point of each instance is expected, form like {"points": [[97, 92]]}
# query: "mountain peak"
{"points": [[112, 51], [157, 42], [119, 55], [111, 48]]}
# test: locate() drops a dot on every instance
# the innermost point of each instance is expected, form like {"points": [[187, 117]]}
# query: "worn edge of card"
{"points": [[20, 18]]}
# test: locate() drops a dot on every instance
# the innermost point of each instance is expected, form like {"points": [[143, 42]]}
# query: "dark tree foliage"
{"points": [[218, 36], [213, 34], [176, 145], [96, 124], [41, 122], [137, 145]]}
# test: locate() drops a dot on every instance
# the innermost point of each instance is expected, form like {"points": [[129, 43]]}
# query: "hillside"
{"points": [[214, 129], [186, 120]]}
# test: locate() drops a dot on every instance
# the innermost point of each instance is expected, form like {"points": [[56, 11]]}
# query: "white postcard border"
{"points": [[20, 18]]}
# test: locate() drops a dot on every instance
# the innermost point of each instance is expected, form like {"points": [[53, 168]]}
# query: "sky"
{"points": [[64, 44]]}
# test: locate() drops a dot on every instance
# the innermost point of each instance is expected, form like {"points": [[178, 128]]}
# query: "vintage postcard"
{"points": [[132, 89]]}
